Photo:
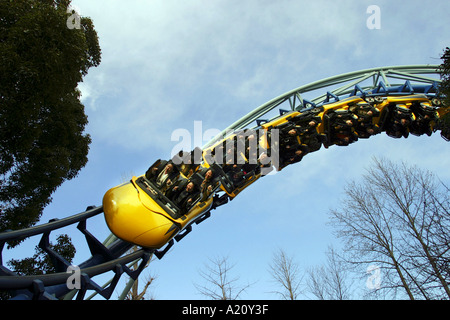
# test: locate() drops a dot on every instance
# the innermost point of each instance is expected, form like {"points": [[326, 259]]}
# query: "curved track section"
{"points": [[339, 110], [106, 256], [388, 79]]}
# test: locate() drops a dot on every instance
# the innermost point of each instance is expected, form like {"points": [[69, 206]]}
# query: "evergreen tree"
{"points": [[445, 75], [41, 263], [43, 57]]}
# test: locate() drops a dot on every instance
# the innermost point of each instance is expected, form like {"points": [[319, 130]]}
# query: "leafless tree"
{"points": [[134, 293], [285, 271], [329, 281], [398, 218], [219, 284]]}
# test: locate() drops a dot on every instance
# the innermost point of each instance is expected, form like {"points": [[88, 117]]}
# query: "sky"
{"points": [[166, 64]]}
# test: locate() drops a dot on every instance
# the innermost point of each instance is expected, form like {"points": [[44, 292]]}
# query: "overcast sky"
{"points": [[166, 64]]}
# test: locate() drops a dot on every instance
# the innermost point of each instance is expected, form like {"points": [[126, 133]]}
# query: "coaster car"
{"points": [[140, 212], [229, 159]]}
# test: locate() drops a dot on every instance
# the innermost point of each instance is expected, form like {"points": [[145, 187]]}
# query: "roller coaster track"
{"points": [[114, 255], [107, 256]]}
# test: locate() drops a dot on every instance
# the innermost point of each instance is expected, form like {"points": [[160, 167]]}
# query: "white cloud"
{"points": [[166, 63]]}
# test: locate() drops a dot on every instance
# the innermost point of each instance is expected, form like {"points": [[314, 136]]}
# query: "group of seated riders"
{"points": [[296, 138], [182, 189], [345, 126], [418, 119], [299, 135], [240, 156], [185, 181]]}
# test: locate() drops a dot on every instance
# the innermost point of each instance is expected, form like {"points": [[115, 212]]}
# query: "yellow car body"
{"points": [[280, 120], [406, 101], [134, 214]]}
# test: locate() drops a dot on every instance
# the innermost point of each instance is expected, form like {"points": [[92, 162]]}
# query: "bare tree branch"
{"points": [[398, 216], [219, 285], [330, 281], [285, 272]]}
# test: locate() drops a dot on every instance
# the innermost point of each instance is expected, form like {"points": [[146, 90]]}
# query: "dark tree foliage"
{"points": [[40, 263], [445, 85], [445, 90], [42, 121], [445, 74]]}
